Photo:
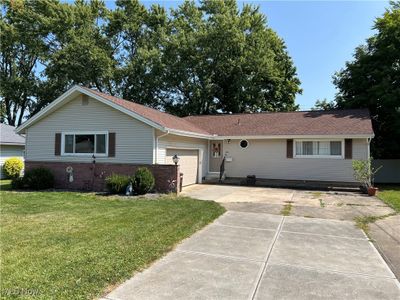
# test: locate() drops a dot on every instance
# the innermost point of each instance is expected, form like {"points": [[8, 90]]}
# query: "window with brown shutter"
{"points": [[57, 144], [111, 144], [289, 148], [348, 148]]}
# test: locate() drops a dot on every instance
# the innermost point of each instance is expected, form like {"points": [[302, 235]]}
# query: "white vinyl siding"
{"points": [[7, 151], [267, 159], [180, 142], [134, 139]]}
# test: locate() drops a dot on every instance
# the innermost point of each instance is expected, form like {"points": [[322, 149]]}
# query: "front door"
{"points": [[216, 155]]}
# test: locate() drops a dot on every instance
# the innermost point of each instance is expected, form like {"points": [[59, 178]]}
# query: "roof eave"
{"points": [[188, 133], [291, 136]]}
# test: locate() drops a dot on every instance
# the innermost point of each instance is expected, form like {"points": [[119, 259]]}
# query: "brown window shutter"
{"points": [[348, 148], [289, 148], [57, 144], [111, 144]]}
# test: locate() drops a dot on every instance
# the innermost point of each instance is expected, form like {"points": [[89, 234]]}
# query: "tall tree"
{"points": [[46, 46], [138, 35], [80, 52], [372, 80], [200, 58], [23, 34], [222, 59]]}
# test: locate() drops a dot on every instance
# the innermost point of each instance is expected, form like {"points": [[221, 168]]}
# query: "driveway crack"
{"points": [[265, 264]]}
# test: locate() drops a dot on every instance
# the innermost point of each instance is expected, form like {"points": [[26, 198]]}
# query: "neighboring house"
{"points": [[121, 135], [11, 145]]}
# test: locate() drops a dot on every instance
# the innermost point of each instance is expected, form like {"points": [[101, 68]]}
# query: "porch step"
{"points": [[212, 175]]}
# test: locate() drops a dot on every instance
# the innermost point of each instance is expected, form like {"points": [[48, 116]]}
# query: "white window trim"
{"points": [[318, 156], [83, 133]]}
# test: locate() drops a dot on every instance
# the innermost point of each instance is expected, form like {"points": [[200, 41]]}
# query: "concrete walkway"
{"points": [[385, 234], [246, 255]]}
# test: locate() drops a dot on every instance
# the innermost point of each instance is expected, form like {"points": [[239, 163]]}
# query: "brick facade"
{"points": [[91, 177]]}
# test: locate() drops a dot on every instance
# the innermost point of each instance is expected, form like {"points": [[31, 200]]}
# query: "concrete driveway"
{"points": [[246, 255], [316, 204]]}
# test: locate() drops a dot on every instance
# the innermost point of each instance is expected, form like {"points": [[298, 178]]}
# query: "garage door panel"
{"points": [[188, 164]]}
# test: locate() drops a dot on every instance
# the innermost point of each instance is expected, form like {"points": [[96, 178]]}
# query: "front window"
{"points": [[85, 143], [319, 149]]}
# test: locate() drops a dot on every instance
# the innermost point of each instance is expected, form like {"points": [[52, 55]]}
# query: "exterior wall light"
{"points": [[175, 159]]}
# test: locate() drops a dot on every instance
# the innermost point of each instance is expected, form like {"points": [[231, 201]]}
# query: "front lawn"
{"points": [[60, 245], [5, 184], [390, 194]]}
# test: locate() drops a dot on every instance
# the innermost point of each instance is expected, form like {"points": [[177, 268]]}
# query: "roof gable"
{"points": [[152, 117]]}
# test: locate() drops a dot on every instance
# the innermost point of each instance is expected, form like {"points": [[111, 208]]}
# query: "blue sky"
{"points": [[320, 36]]}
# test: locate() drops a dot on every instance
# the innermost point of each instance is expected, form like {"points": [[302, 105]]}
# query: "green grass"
{"points": [[390, 194], [286, 209], [316, 194], [60, 245], [5, 184], [364, 221]]}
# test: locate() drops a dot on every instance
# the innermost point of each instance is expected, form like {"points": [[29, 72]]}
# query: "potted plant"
{"points": [[364, 173]]}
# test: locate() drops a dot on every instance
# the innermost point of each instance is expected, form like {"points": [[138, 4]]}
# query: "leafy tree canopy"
{"points": [[372, 80], [324, 105], [200, 58]]}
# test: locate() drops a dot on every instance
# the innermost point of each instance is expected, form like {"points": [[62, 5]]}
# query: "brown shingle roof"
{"points": [[156, 116], [335, 122]]}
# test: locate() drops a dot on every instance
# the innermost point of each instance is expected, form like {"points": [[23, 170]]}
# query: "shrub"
{"points": [[117, 184], [143, 181], [38, 179], [18, 183], [12, 167]]}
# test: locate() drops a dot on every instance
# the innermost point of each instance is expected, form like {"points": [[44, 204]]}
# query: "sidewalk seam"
{"points": [[265, 264], [240, 258], [334, 271], [326, 235], [245, 227]]}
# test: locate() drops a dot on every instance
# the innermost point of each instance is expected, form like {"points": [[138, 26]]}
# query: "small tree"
{"points": [[364, 172], [12, 167]]}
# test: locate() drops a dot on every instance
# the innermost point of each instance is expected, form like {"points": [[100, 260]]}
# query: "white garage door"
{"points": [[188, 164]]}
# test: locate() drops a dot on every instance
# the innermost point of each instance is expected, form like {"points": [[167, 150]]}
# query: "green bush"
{"points": [[38, 179], [143, 181], [18, 183], [116, 183], [12, 167]]}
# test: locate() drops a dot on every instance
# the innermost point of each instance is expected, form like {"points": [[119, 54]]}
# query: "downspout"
{"points": [[157, 138], [368, 159]]}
